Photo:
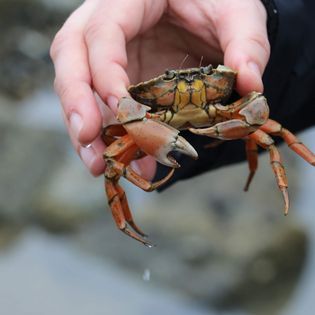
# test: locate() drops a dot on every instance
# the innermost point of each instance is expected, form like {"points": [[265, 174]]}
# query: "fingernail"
{"points": [[87, 156], [112, 102], [254, 68], [75, 124]]}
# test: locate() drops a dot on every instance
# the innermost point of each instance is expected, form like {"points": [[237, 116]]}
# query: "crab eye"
{"points": [[206, 70], [169, 75]]}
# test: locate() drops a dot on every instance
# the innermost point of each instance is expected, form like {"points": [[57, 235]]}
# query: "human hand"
{"points": [[105, 45]]}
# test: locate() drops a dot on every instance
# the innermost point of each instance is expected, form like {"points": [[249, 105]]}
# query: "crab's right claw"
{"points": [[159, 140]]}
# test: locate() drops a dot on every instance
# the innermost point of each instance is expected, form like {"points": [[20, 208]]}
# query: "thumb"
{"points": [[243, 37]]}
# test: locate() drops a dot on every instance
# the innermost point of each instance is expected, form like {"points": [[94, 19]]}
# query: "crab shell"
{"points": [[160, 92]]}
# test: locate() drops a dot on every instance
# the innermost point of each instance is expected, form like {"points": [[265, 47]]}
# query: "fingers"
{"points": [[91, 155], [108, 61], [241, 27], [106, 42], [89, 53], [72, 82], [73, 86]]}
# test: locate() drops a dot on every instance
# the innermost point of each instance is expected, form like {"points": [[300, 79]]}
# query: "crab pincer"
{"points": [[153, 136]]}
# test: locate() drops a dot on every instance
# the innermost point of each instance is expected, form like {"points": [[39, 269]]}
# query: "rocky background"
{"points": [[218, 249]]}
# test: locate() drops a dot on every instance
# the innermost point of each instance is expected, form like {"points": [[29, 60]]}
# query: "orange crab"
{"points": [[194, 99]]}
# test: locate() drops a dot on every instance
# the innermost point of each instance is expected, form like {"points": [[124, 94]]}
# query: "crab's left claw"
{"points": [[159, 140], [154, 137]]}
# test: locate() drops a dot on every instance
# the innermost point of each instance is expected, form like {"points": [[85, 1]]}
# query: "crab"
{"points": [[196, 99]]}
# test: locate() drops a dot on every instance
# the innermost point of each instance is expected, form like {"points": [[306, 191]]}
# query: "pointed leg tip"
{"points": [[246, 187], [286, 200], [137, 237], [137, 229], [249, 180], [149, 245]]}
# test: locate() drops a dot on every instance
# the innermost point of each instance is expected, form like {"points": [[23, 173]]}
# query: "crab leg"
{"points": [[226, 130], [117, 155], [126, 171], [123, 149], [111, 132], [252, 158], [274, 128], [266, 142], [126, 210], [116, 206], [240, 118]]}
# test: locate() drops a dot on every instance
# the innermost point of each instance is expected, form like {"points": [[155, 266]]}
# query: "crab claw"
{"points": [[159, 140], [181, 145]]}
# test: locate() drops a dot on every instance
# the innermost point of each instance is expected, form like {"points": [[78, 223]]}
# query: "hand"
{"points": [[104, 46]]}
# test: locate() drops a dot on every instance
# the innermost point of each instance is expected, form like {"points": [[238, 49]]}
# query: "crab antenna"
{"points": [[201, 60], [182, 63]]}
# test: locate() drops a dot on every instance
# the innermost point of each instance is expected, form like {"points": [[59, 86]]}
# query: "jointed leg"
{"points": [[126, 210], [252, 158], [265, 141], [226, 130], [110, 133], [117, 156], [274, 128], [117, 207]]}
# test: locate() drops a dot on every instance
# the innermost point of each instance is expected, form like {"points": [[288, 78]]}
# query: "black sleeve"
{"points": [[289, 82]]}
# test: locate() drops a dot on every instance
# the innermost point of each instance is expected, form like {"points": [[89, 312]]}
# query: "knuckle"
{"points": [[96, 74], [92, 30], [57, 44], [261, 41], [63, 90], [70, 94], [60, 88]]}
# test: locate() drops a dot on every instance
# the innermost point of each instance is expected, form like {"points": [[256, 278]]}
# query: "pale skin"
{"points": [[106, 45]]}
